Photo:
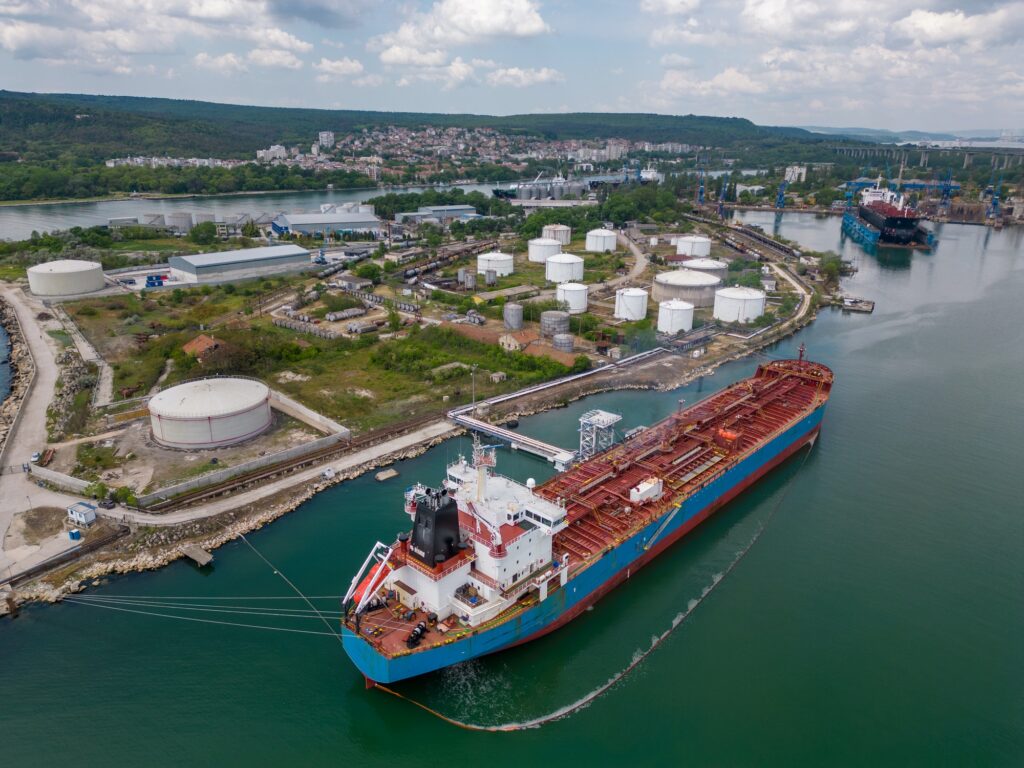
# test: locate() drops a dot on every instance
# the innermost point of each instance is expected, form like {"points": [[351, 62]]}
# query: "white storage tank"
{"points": [[574, 295], [210, 412], [501, 263], [737, 304], [65, 277], [540, 249], [559, 232], [601, 240], [630, 304], [719, 269], [675, 315], [563, 268], [694, 246], [689, 285]]}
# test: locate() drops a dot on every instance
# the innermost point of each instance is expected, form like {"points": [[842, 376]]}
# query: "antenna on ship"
{"points": [[801, 351]]}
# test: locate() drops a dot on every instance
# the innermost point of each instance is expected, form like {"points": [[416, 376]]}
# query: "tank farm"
{"points": [[688, 466]]}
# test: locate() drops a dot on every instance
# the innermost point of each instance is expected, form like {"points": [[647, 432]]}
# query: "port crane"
{"points": [[780, 198], [947, 193], [993, 203]]}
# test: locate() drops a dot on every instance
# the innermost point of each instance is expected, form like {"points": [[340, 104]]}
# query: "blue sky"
{"points": [[886, 63]]}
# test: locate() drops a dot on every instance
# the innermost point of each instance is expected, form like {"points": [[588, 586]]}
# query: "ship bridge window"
{"points": [[538, 518]]}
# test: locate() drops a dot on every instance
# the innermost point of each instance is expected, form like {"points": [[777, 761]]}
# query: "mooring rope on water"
{"points": [[286, 613], [638, 659], [95, 604]]}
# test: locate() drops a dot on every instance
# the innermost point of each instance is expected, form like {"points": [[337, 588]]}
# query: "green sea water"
{"points": [[879, 619]]}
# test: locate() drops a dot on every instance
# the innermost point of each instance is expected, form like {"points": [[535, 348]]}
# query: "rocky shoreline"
{"points": [[159, 548], [22, 372]]}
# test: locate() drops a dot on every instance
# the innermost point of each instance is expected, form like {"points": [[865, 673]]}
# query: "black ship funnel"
{"points": [[435, 529]]}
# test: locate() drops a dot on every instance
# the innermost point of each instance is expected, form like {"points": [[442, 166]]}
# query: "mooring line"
{"points": [[94, 604], [586, 700]]}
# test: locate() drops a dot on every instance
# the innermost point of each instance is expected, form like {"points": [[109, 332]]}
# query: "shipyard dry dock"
{"points": [[491, 563]]}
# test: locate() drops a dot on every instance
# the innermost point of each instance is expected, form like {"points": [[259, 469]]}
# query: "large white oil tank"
{"points": [[737, 304], [501, 263], [542, 248], [563, 268], [675, 315], [719, 269], [65, 277], [694, 246], [559, 232], [208, 413], [574, 295], [601, 240], [689, 285], [631, 304]]}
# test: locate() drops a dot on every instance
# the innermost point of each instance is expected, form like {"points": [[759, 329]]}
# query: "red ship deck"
{"points": [[686, 451]]}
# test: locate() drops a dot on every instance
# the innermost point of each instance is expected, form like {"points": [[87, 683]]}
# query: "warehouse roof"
{"points": [[242, 256]]}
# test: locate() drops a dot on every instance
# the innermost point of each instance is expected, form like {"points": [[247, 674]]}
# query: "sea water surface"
{"points": [[877, 621]]}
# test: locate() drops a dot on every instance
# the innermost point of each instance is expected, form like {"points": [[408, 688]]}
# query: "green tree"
{"points": [[204, 233], [369, 272], [249, 229]]}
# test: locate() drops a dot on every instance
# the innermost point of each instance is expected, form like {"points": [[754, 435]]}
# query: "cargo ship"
{"points": [[490, 563], [885, 211]]}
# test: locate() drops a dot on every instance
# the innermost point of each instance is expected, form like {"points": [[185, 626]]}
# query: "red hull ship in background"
{"points": [[886, 212]]}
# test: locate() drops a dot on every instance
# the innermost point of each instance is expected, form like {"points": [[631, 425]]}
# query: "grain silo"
{"points": [[675, 315], [694, 246], [540, 249], [501, 263], [65, 277], [601, 240], [631, 304], [737, 304], [209, 413], [563, 342], [686, 284], [564, 268], [553, 321], [512, 314], [574, 295], [714, 267], [559, 232]]}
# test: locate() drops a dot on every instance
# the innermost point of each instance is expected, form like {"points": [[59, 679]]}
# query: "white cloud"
{"points": [[368, 81], [1005, 24], [276, 38], [669, 7], [275, 58], [401, 55], [521, 78], [428, 35], [337, 69], [675, 61], [225, 64]]}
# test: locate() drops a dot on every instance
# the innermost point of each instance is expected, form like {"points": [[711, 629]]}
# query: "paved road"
{"points": [[17, 492], [236, 500], [639, 261], [805, 294]]}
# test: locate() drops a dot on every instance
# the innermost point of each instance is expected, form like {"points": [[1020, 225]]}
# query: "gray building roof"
{"points": [[327, 219], [243, 256]]}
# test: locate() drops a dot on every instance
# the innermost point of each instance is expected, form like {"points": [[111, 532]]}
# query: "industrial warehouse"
{"points": [[238, 265]]}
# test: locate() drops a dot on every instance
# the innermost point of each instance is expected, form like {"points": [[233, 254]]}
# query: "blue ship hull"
{"points": [[589, 585]]}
